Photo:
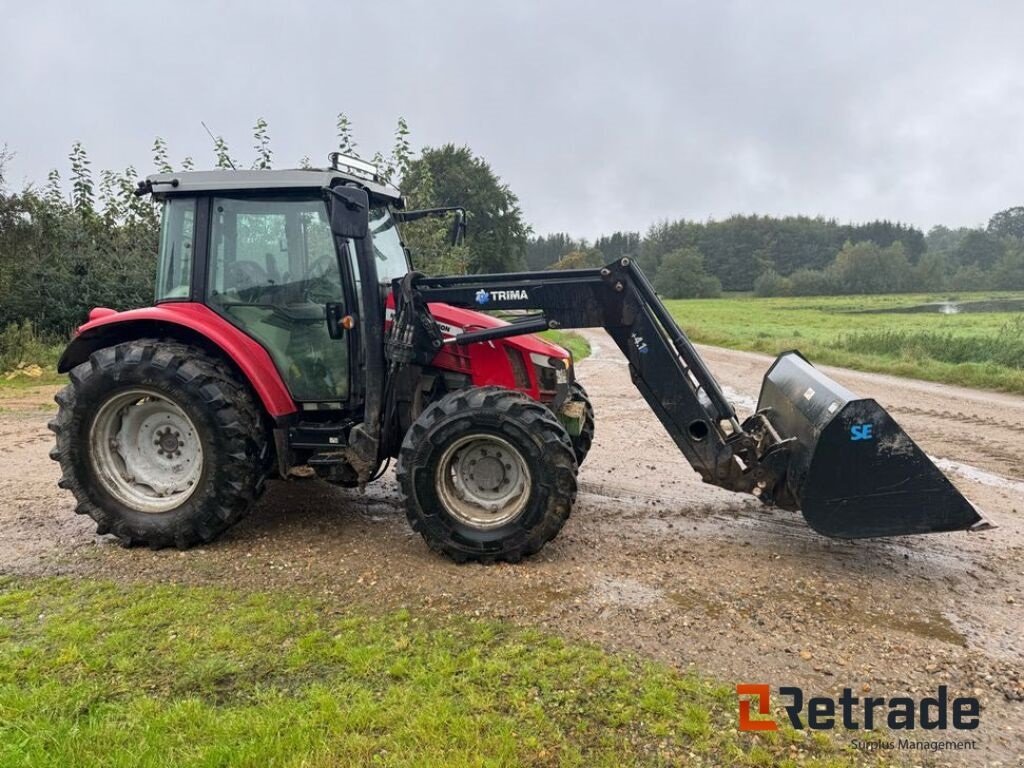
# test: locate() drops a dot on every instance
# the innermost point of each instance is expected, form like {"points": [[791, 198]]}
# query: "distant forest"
{"points": [[800, 255]]}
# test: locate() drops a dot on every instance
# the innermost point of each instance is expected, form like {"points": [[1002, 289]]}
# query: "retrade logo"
{"points": [[763, 708], [822, 713]]}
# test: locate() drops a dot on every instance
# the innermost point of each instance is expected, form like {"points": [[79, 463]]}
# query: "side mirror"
{"points": [[350, 215]]}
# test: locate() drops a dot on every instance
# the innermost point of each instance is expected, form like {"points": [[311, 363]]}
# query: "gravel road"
{"points": [[651, 562]]}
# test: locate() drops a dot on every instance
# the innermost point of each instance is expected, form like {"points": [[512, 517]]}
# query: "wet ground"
{"points": [[652, 561]]}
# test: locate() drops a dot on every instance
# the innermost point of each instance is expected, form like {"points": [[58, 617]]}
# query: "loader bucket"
{"points": [[853, 471]]}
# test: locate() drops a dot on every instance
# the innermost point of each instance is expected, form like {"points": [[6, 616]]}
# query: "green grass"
{"points": [[26, 358], [984, 349], [578, 346], [100, 674]]}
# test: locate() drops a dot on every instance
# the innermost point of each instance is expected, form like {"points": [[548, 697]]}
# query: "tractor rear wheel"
{"points": [[159, 443], [487, 474]]}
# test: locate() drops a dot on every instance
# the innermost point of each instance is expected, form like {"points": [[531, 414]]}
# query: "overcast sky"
{"points": [[599, 115]]}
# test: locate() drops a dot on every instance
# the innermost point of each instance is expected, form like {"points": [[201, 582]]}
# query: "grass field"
{"points": [[576, 344], [983, 349], [100, 674]]}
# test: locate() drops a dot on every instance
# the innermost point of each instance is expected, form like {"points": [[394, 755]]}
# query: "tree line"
{"points": [[800, 255], [84, 239]]}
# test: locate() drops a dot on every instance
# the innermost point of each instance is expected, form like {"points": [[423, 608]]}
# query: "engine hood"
{"points": [[455, 320]]}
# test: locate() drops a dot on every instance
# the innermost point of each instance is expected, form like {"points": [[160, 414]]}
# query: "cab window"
{"points": [[177, 240], [273, 271]]}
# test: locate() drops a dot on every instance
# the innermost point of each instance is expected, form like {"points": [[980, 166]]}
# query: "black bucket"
{"points": [[853, 472]]}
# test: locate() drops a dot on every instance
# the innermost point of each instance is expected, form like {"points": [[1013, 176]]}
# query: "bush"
{"points": [[771, 283], [865, 268], [21, 345], [970, 278], [811, 282], [57, 262], [682, 275]]}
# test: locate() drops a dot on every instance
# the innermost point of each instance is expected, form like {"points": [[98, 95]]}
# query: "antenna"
{"points": [[215, 141]]}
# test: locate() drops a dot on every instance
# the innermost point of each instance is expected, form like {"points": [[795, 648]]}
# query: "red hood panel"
{"points": [[467, 319]]}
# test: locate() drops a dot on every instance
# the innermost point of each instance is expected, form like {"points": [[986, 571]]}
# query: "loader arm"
{"points": [[887, 486]]}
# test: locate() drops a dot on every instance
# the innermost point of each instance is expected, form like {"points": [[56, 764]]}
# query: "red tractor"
{"points": [[290, 331]]}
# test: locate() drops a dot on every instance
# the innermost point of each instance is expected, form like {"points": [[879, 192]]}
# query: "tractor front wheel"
{"points": [[487, 474], [159, 443]]}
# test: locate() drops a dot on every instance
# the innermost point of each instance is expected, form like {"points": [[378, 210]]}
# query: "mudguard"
{"points": [[184, 320]]}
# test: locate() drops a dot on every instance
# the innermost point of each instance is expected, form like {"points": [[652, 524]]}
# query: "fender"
{"points": [[190, 322]]}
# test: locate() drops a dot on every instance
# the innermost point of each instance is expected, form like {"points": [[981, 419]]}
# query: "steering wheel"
{"points": [[246, 278], [321, 276]]}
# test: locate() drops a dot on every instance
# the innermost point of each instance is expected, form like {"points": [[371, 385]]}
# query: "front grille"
{"points": [[519, 373]]}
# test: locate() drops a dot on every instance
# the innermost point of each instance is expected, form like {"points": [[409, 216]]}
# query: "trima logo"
{"points": [[822, 712], [485, 297]]}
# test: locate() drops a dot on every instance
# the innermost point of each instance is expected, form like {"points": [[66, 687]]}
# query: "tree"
{"points": [[1008, 223], [682, 276], [579, 259], [771, 283], [53, 193], [866, 268], [1009, 270], [82, 195], [220, 149], [261, 143], [931, 273], [346, 144], [497, 234], [978, 247], [5, 157], [160, 161], [402, 153], [812, 282]]}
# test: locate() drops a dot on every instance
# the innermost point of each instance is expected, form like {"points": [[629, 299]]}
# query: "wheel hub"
{"points": [[483, 481], [146, 450], [169, 442]]}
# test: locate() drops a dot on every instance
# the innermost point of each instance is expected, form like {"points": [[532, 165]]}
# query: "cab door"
{"points": [[274, 272]]}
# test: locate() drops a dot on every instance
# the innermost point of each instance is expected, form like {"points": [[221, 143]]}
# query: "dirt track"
{"points": [[652, 560]]}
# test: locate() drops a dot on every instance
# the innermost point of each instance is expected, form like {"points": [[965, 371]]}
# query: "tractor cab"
{"points": [[256, 267], [256, 248]]}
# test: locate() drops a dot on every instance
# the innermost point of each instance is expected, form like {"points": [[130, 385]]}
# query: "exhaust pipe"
{"points": [[853, 472]]}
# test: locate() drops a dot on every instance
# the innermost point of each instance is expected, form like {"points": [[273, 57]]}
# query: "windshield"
{"points": [[387, 246]]}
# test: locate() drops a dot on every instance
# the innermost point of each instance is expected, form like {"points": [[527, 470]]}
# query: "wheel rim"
{"points": [[146, 451], [483, 481]]}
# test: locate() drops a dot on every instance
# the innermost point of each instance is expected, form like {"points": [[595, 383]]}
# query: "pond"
{"points": [[950, 307]]}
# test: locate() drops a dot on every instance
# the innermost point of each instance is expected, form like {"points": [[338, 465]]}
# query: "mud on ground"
{"points": [[652, 561]]}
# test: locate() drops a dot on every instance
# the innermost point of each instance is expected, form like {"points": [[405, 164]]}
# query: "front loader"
{"points": [[290, 332]]}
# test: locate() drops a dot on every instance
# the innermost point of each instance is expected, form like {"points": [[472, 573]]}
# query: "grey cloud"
{"points": [[600, 115]]}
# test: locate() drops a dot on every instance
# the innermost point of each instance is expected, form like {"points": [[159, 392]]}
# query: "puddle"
{"points": [[979, 476], [629, 593], [927, 624], [949, 308], [740, 401]]}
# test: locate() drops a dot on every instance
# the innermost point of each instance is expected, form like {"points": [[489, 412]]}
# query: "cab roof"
{"points": [[184, 182]]}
